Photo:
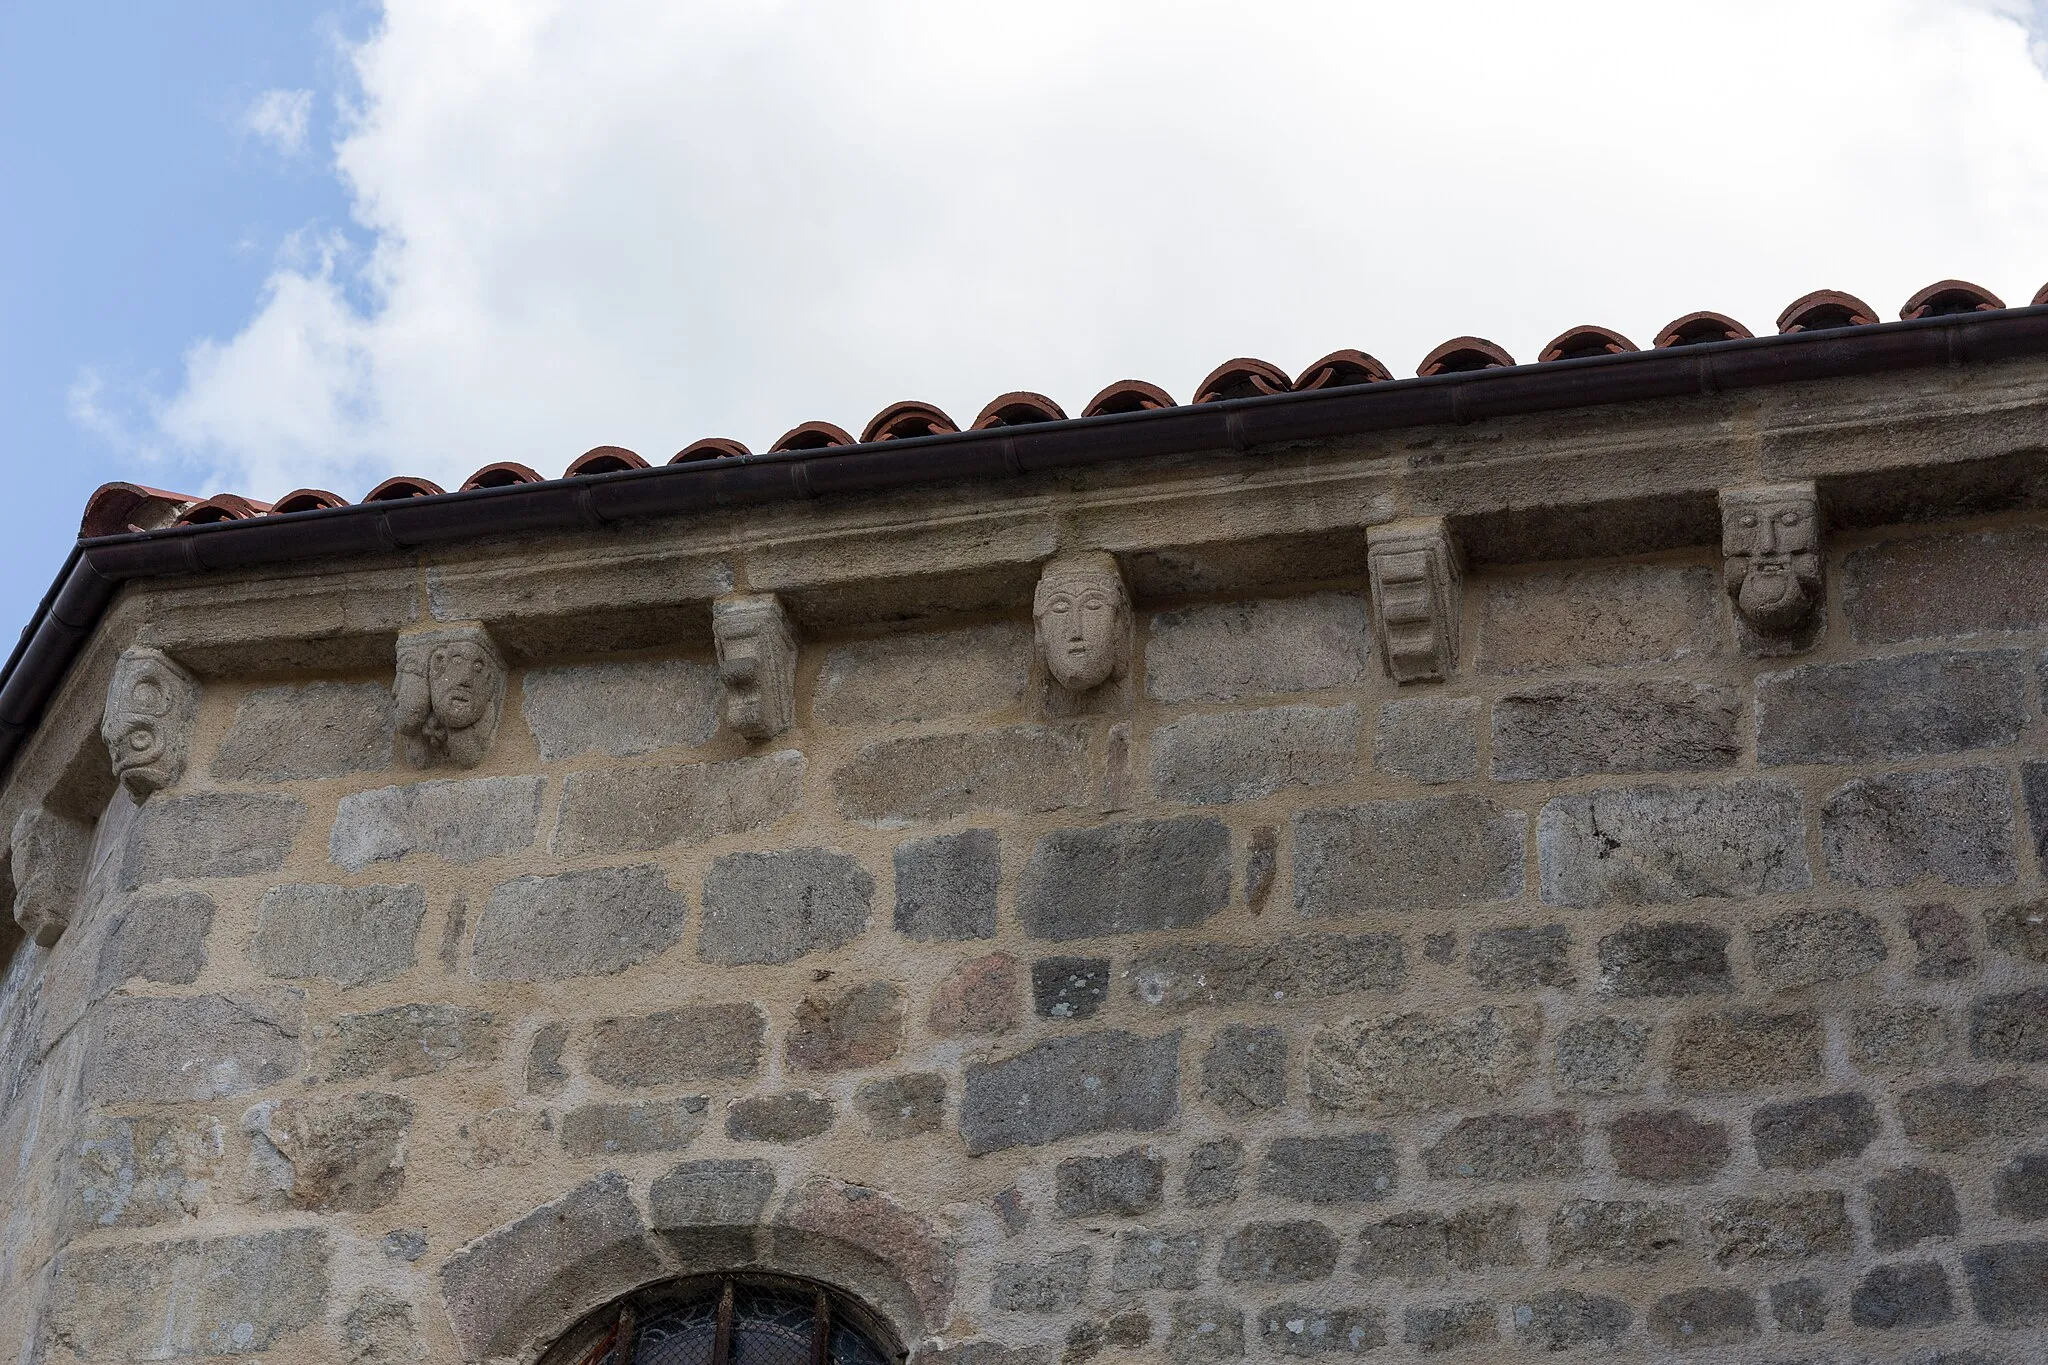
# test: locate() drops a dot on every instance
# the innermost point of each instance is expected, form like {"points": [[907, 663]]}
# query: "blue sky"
{"points": [[255, 246], [143, 216]]}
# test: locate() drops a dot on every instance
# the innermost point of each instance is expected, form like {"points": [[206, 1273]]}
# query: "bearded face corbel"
{"points": [[1770, 555], [147, 727], [1082, 614], [451, 691]]}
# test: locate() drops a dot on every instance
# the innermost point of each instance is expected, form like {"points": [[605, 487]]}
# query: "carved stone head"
{"points": [[148, 724], [451, 689], [48, 857], [1082, 613], [1770, 550], [757, 662]]}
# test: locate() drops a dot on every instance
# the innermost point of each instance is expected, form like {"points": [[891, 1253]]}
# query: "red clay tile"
{"points": [[1586, 339], [1018, 409], [503, 474], [402, 487], [1944, 298], [1128, 395], [603, 460], [812, 436], [1341, 369], [1243, 377], [306, 500], [709, 448], [221, 507], [1695, 329], [1461, 354], [900, 421], [2040, 297], [1822, 309], [118, 508]]}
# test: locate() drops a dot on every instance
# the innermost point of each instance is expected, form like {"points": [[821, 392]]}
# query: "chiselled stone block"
{"points": [[1653, 845], [620, 709], [342, 1153], [1611, 616], [1177, 976], [1430, 1328], [1124, 1185], [1788, 1227], [1802, 1135], [1811, 946], [1646, 960], [1587, 1232], [2009, 1283], [757, 649], [313, 730], [776, 907], [1554, 730], [1508, 1147], [627, 1129], [1800, 1306], [1028, 768], [1914, 1294], [1418, 591], [459, 822], [1213, 1171], [1888, 1037], [977, 997], [1243, 755], [846, 1030], [946, 886], [1952, 825], [1944, 585], [1668, 1146], [1204, 1332], [1410, 1063], [1091, 1083], [1299, 1329], [1745, 1049], [1436, 853], [450, 695], [594, 923], [1703, 1317], [155, 937], [2021, 1194], [1872, 710], [1424, 1246], [1069, 987], [1602, 1056], [903, 1106], [2011, 1027], [1125, 878], [638, 810], [719, 1193], [790, 1116], [203, 1047], [408, 1040], [1244, 1069], [212, 834], [1428, 739], [691, 1043], [1910, 1205], [133, 1172], [48, 865], [1234, 650], [1293, 1252], [1338, 1168], [924, 676], [222, 1296], [2018, 930], [147, 728], [350, 935], [1051, 1285], [1564, 1319], [1952, 1116], [1147, 1259]]}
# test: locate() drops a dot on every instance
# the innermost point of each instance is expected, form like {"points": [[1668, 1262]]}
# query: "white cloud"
{"points": [[635, 222], [280, 118]]}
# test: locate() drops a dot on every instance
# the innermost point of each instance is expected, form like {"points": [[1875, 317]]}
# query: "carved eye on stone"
{"points": [[1059, 606], [141, 739], [1789, 517], [1748, 521], [1095, 601]]}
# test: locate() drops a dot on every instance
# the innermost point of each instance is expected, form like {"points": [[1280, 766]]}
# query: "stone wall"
{"points": [[1625, 995]]}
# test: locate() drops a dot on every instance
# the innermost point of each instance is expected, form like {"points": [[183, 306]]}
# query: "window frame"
{"points": [[615, 1327]]}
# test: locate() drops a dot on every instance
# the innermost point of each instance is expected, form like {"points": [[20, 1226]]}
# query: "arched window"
{"points": [[739, 1319]]}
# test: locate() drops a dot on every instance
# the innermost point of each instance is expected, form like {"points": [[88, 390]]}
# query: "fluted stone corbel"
{"points": [[1418, 586], [451, 693], [48, 862], [151, 704], [757, 648], [1772, 564]]}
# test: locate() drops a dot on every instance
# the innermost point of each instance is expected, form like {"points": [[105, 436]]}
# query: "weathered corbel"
{"points": [[1418, 588], [450, 694], [151, 704], [757, 649], [48, 861], [1772, 564], [1081, 612]]}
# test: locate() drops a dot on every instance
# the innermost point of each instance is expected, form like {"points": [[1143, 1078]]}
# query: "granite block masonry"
{"points": [[1585, 968]]}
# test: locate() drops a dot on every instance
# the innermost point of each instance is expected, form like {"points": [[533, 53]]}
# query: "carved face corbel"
{"points": [[1771, 561], [757, 650], [48, 854], [1082, 614], [148, 723], [1418, 587], [451, 691]]}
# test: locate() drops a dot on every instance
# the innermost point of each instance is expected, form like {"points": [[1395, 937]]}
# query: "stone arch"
{"points": [[601, 1330], [513, 1293]]}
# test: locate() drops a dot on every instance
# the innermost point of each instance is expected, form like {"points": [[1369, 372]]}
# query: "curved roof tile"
{"points": [[900, 421], [118, 508], [1946, 297], [1243, 377], [306, 500], [1019, 409], [503, 474], [1461, 354], [1696, 329], [1576, 343], [221, 507], [812, 436], [1128, 395], [2040, 297], [709, 448], [1341, 369], [603, 460], [401, 487], [1825, 308]]}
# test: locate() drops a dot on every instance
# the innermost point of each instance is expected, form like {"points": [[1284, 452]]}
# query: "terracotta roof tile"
{"points": [[1825, 308], [603, 460], [503, 474], [1341, 369], [709, 448], [1584, 340], [1461, 354], [308, 500], [1696, 329], [402, 487], [1946, 297], [812, 436], [2040, 297], [1019, 409], [1128, 395], [118, 508], [900, 421], [221, 507], [1243, 377]]}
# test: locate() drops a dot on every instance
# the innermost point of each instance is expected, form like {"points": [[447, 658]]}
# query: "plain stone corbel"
{"points": [[1772, 565], [1418, 587], [757, 648], [48, 861]]}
